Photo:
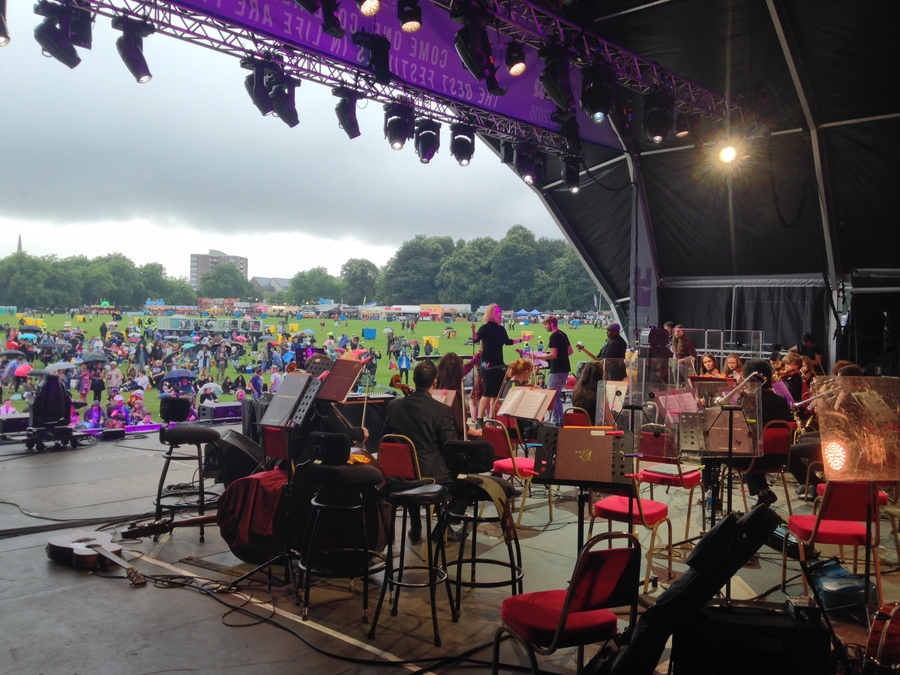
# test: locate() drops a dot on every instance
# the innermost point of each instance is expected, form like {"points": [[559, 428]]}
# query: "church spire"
{"points": [[19, 249]]}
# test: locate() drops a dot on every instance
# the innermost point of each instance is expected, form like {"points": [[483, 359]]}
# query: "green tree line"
{"points": [[517, 271]]}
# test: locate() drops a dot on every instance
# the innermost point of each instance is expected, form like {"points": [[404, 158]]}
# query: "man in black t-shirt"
{"points": [[560, 350], [809, 348]]}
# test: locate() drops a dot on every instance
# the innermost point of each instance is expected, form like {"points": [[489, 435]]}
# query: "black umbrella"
{"points": [[94, 357], [12, 353], [177, 374], [60, 365]]}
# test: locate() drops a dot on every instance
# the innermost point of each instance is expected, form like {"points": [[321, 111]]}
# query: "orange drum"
{"points": [[883, 645]]}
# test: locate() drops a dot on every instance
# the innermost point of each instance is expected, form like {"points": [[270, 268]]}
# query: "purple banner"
{"points": [[425, 59]]}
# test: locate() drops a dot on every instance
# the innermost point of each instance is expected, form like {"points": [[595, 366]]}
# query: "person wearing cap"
{"points": [[613, 353], [117, 414]]}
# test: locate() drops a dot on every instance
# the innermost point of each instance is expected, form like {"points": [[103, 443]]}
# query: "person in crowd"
{"points": [[84, 382], [98, 381], [274, 379], [94, 416], [114, 378], [777, 364], [117, 416], [208, 396], [204, 359], [709, 367], [790, 376], [256, 383], [240, 384], [809, 347], [584, 394], [733, 368], [221, 362], [8, 408], [682, 346], [227, 385], [558, 357], [492, 336], [403, 365]]}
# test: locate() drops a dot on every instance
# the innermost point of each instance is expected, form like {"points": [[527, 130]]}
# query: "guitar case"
{"points": [[717, 557]]}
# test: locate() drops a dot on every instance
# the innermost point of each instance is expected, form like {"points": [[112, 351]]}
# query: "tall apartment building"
{"points": [[201, 263]]}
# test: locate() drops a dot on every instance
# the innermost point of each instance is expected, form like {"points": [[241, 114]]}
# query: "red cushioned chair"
{"points": [[656, 446], [777, 438], [507, 464], [549, 620], [841, 521], [398, 458], [576, 417], [633, 510]]}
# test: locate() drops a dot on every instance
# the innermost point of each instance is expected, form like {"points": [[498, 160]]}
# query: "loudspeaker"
{"points": [[112, 434], [174, 408], [238, 456], [10, 424], [220, 411], [749, 639]]}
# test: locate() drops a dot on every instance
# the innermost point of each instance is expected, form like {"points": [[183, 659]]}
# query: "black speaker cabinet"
{"points": [[112, 434], [220, 411], [10, 424], [749, 638]]}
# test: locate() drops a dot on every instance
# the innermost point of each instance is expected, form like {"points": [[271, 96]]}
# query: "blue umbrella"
{"points": [[27, 336], [177, 374], [288, 357], [309, 331], [276, 359]]}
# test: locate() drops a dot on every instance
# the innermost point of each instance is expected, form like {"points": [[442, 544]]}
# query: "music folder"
{"points": [[585, 454], [340, 381]]}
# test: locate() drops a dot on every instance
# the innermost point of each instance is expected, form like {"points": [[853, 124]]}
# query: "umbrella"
{"points": [[23, 370], [210, 388], [240, 338], [309, 331], [388, 330], [27, 336], [60, 365], [328, 343], [37, 373], [177, 374], [94, 357], [134, 338], [12, 353], [413, 342], [339, 350], [112, 323], [288, 357], [356, 353], [186, 338], [277, 360]]}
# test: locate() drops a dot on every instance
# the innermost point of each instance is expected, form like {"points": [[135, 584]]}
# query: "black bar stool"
{"points": [[174, 409], [339, 502], [436, 563]]}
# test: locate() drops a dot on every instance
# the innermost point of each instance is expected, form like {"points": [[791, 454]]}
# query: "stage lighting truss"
{"points": [[474, 48], [659, 116], [379, 48], [131, 45], [598, 87], [64, 27], [331, 22], [4, 29], [462, 143], [410, 15], [556, 80], [428, 139], [345, 111], [398, 123], [515, 58]]}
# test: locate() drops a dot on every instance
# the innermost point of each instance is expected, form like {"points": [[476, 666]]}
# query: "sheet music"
{"points": [[445, 396]]}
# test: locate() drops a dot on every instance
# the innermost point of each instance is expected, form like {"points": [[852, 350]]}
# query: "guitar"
{"points": [[157, 527], [87, 550]]}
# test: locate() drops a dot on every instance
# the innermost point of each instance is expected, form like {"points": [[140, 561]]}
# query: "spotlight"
{"points": [[63, 28], [255, 83], [659, 116], [625, 115], [331, 23], [131, 45], [523, 160], [54, 42], [378, 47], [428, 139], [834, 455], [728, 154], [281, 90], [597, 92], [683, 124], [346, 111], [571, 174], [474, 49], [556, 81], [462, 143], [398, 124], [515, 58], [368, 7], [410, 15], [572, 132], [4, 30]]}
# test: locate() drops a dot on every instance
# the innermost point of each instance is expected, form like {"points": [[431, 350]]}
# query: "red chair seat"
{"points": [[883, 498], [524, 464], [665, 476], [848, 533], [534, 617], [616, 507]]}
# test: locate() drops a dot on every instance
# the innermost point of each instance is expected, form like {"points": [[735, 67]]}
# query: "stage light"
{"points": [[556, 80], [398, 124], [683, 124], [63, 28], [523, 161], [131, 45], [835, 455], [728, 154], [428, 139], [282, 90], [331, 23], [515, 58], [410, 15], [255, 83], [462, 143], [379, 48], [474, 48], [368, 7], [4, 30], [597, 92], [571, 174], [346, 111], [311, 6], [659, 116]]}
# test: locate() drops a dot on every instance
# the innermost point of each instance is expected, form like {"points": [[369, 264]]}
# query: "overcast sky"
{"points": [[93, 163]]}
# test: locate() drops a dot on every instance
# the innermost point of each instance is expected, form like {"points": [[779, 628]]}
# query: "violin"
{"points": [[397, 384]]}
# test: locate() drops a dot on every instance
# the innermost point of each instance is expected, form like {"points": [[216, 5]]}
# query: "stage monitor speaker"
{"points": [[238, 457], [112, 434], [749, 639], [220, 411], [10, 424], [174, 408]]}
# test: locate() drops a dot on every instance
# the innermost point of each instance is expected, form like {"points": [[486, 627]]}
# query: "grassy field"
{"points": [[591, 337]]}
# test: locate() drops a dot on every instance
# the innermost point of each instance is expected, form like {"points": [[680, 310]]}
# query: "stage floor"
{"points": [[57, 619]]}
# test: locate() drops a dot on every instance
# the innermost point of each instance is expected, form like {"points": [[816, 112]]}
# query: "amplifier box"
{"points": [[10, 424], [749, 638], [220, 411], [112, 434]]}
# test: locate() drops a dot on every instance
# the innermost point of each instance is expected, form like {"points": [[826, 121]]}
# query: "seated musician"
{"points": [[429, 425]]}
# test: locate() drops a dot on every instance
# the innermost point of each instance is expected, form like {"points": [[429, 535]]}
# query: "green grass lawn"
{"points": [[591, 337]]}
